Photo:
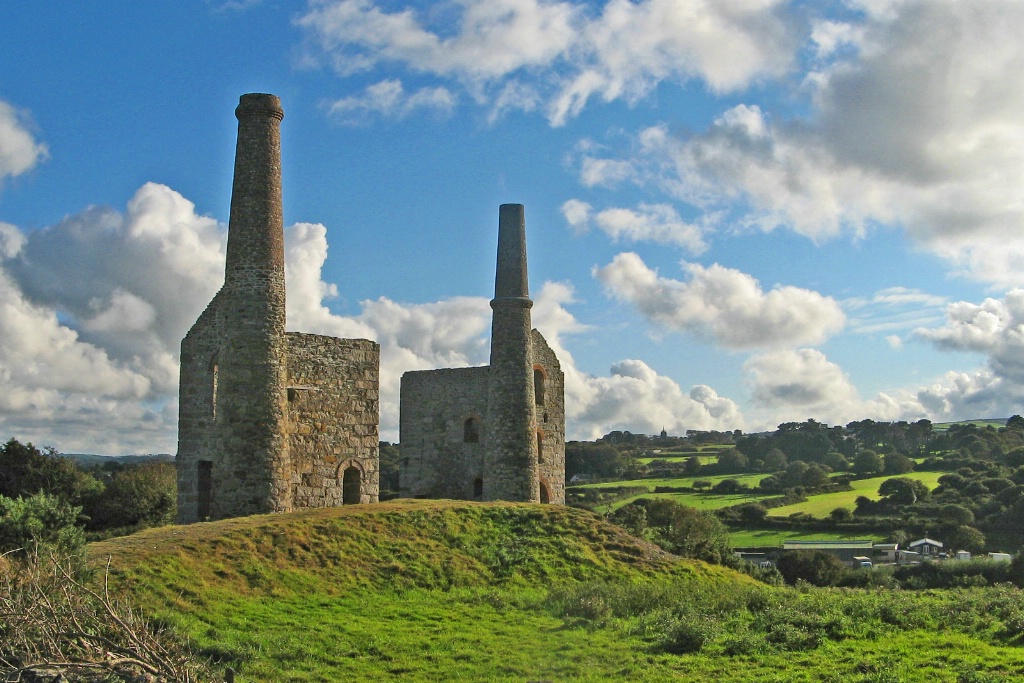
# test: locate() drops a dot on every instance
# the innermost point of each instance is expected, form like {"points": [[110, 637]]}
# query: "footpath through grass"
{"points": [[442, 591]]}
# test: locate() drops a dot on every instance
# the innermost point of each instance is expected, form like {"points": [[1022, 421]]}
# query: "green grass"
{"points": [[755, 538], [442, 591], [821, 505], [751, 480]]}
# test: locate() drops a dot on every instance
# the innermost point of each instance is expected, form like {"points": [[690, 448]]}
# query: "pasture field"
{"points": [[442, 591], [758, 538], [821, 505], [751, 480]]}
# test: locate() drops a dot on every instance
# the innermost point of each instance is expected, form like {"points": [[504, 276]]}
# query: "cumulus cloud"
{"points": [[913, 121], [993, 328], [722, 305], [572, 52], [659, 223], [389, 99], [795, 384], [19, 150], [93, 309]]}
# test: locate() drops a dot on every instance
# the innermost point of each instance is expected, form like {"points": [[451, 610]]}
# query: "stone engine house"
{"points": [[495, 432], [269, 420]]}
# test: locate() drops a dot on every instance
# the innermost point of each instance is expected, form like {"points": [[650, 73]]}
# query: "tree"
{"points": [[686, 531], [897, 463], [692, 466], [903, 491], [814, 566], [867, 462], [815, 476], [390, 457], [966, 538], [25, 470], [138, 496], [732, 461], [775, 460], [840, 515], [702, 484], [835, 461]]}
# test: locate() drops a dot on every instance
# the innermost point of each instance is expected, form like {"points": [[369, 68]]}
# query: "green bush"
{"points": [[39, 520]]}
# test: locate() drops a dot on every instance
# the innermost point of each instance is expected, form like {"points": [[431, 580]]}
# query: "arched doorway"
{"points": [[545, 493], [351, 485]]}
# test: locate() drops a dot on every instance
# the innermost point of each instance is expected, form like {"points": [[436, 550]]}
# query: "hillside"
{"points": [[439, 591]]}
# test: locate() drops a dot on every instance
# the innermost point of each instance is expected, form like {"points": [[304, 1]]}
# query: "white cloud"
{"points": [[914, 122], [722, 305], [19, 150], [93, 309], [572, 52], [793, 385], [659, 223], [390, 100], [894, 309]]}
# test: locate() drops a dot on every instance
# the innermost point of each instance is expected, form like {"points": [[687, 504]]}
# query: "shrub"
{"points": [[39, 520], [813, 566]]}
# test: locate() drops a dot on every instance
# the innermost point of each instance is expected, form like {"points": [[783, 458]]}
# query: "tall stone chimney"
{"points": [[252, 373], [511, 457]]}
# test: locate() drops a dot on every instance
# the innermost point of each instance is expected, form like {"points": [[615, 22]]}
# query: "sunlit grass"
{"points": [[821, 505]]}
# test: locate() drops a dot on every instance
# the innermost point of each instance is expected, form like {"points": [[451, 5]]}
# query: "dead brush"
{"points": [[56, 620]]}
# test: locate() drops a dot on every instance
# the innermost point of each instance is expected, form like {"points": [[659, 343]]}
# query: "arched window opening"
{"points": [[538, 386], [545, 493], [350, 487], [471, 430], [478, 488], [540, 447]]}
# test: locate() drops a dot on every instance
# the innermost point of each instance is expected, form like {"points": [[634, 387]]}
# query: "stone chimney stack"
{"points": [[511, 457], [253, 370]]}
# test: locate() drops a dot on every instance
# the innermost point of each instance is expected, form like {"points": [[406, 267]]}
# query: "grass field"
{"points": [[756, 538], [751, 480], [822, 505], [442, 591]]}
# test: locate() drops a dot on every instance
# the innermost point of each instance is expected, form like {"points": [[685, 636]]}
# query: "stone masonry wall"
{"points": [[437, 461], [550, 420], [333, 404]]}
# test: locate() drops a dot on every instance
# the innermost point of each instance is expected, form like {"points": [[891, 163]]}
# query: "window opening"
{"points": [[204, 489], [478, 488], [538, 386], [540, 447], [471, 430]]}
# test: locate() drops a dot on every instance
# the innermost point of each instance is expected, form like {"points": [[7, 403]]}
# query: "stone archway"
{"points": [[351, 486], [545, 492]]}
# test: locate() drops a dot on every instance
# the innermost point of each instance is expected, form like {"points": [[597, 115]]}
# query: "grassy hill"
{"points": [[445, 591]]}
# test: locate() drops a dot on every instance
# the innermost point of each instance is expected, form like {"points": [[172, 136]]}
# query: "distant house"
{"points": [[884, 553], [846, 551], [927, 547]]}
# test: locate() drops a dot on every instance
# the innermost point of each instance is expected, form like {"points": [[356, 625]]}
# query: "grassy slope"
{"points": [[822, 505], [422, 591]]}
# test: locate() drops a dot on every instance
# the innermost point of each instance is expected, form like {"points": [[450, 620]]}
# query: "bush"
{"points": [[39, 520], [813, 566]]}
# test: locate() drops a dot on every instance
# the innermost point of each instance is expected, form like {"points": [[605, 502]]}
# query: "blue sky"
{"points": [[738, 213]]}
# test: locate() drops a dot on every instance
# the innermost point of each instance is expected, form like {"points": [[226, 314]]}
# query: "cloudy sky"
{"points": [[739, 212]]}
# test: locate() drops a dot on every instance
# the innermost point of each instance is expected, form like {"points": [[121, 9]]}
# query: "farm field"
{"points": [[751, 480], [822, 505], [758, 538]]}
